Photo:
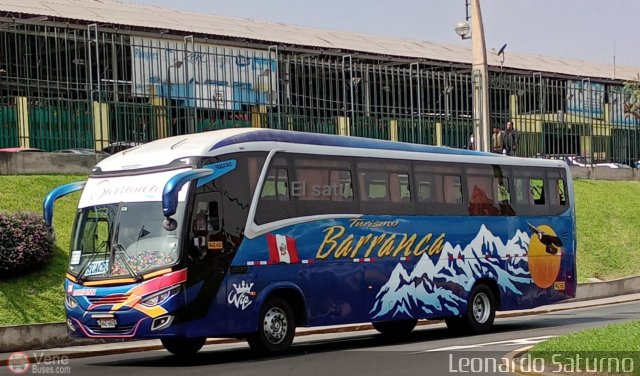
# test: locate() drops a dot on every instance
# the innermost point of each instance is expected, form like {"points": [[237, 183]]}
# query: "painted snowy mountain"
{"points": [[434, 285]]}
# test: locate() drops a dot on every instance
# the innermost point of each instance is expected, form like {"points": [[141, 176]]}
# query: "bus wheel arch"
{"points": [[482, 303], [493, 285], [280, 313], [295, 300]]}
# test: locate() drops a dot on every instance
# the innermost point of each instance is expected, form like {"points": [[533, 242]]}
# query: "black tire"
{"points": [[480, 314], [183, 346], [276, 328], [395, 328], [455, 324]]}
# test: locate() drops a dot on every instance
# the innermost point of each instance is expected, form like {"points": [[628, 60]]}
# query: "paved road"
{"points": [[429, 350]]}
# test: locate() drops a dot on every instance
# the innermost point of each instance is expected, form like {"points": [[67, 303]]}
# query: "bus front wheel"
{"points": [[395, 328], [183, 346], [276, 327], [481, 311]]}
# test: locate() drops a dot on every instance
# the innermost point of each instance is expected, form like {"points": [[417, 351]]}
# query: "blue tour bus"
{"points": [[250, 233]]}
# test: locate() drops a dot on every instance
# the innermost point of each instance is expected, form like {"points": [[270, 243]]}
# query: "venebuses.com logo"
{"points": [[41, 362], [18, 363]]}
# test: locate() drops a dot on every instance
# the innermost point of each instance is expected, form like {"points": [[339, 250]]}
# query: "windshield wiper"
{"points": [[117, 247]]}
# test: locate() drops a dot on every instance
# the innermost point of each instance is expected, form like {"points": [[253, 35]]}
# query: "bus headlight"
{"points": [[160, 296], [71, 302]]}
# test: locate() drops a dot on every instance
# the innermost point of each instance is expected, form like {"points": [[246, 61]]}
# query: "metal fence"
{"points": [[83, 87]]}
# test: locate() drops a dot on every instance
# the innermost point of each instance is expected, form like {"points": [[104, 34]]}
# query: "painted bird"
{"points": [[552, 243]]}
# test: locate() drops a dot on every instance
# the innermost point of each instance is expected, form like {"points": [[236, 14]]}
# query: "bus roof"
{"points": [[164, 151], [271, 135]]}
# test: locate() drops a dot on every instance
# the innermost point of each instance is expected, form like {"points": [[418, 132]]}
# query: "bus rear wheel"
{"points": [[480, 314], [276, 328], [395, 328], [183, 346]]}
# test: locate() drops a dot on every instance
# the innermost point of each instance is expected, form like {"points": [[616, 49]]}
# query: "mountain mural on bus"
{"points": [[427, 288]]}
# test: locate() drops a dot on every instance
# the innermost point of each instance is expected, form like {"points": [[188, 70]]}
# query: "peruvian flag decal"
{"points": [[282, 249]]}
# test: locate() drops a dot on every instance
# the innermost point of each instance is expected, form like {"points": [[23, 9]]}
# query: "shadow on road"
{"points": [[422, 334]]}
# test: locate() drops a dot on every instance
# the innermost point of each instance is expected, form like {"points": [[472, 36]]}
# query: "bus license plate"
{"points": [[107, 323]]}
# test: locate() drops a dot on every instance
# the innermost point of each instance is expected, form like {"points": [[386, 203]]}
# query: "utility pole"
{"points": [[480, 70], [480, 74]]}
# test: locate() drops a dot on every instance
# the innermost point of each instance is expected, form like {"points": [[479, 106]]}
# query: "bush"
{"points": [[25, 243]]}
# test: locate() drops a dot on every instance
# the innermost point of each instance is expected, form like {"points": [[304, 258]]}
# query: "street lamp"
{"points": [[463, 30], [480, 73]]}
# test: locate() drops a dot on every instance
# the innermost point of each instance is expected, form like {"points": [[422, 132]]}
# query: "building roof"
{"points": [[144, 16]]}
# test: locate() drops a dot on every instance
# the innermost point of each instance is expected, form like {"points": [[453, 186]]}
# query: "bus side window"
{"points": [[429, 187], [214, 216], [452, 189], [341, 180], [501, 187], [275, 194], [536, 187], [276, 185], [562, 198], [399, 187], [374, 186], [520, 195]]}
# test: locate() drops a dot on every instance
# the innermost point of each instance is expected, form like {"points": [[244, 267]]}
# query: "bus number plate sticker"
{"points": [[558, 286], [214, 245], [97, 268], [75, 257], [108, 323]]}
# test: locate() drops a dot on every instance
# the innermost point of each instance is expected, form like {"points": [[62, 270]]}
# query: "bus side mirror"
{"points": [[174, 185], [169, 224], [171, 191], [53, 195]]}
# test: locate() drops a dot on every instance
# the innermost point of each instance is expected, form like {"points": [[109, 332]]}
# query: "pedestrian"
{"points": [[509, 140], [496, 140]]}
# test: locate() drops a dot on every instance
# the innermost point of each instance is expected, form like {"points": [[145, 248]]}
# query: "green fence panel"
{"points": [[324, 125], [131, 122], [8, 127], [529, 144], [55, 128], [457, 134], [625, 146], [371, 127], [409, 130]]}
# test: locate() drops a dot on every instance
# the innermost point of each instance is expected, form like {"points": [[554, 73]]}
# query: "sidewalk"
{"points": [[147, 345]]}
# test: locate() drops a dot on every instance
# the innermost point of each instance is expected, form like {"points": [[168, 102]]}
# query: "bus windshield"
{"points": [[123, 240]]}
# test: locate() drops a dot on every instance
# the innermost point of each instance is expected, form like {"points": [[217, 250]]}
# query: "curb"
{"points": [[606, 289], [515, 367], [510, 363]]}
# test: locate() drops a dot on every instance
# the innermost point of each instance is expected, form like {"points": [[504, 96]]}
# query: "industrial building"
{"points": [[87, 74]]}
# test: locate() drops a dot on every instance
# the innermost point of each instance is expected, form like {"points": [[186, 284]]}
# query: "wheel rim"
{"points": [[481, 308], [275, 325]]}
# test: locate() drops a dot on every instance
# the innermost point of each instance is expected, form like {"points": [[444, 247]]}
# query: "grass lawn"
{"points": [[38, 296], [608, 238], [608, 228], [611, 341]]}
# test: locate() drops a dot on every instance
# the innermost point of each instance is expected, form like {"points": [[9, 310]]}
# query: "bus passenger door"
{"points": [[208, 258]]}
